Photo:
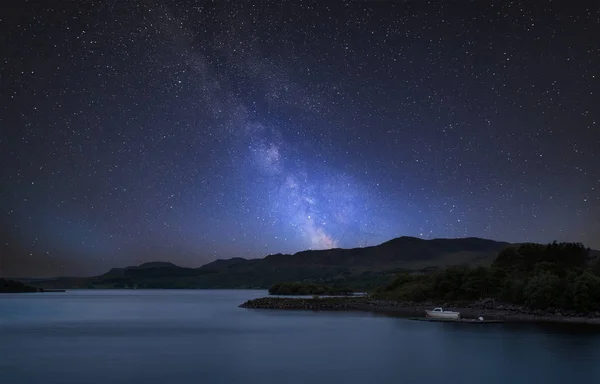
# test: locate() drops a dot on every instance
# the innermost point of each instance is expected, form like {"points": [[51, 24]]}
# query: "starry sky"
{"points": [[185, 131]]}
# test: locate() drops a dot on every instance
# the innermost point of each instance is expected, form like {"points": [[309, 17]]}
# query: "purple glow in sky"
{"points": [[163, 131]]}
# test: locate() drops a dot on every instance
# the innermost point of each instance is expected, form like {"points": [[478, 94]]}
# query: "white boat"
{"points": [[439, 313]]}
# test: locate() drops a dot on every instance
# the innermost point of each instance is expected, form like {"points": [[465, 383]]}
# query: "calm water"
{"points": [[203, 337]]}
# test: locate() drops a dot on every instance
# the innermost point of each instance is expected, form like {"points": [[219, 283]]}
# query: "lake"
{"points": [[201, 336]]}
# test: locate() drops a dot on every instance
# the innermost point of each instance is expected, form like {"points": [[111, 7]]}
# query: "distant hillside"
{"points": [[10, 286], [358, 268]]}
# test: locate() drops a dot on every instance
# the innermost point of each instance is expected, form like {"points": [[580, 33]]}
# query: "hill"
{"points": [[10, 286], [357, 268]]}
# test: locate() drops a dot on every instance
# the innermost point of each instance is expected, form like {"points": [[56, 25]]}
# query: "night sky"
{"points": [[180, 131]]}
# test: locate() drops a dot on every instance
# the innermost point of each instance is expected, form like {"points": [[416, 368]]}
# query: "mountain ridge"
{"points": [[360, 268]]}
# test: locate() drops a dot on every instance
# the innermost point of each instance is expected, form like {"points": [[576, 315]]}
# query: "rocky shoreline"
{"points": [[488, 309]]}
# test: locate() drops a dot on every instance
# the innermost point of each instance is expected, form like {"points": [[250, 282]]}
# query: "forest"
{"points": [[301, 288], [553, 276]]}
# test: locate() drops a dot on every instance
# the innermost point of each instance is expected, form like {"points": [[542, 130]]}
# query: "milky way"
{"points": [[184, 131]]}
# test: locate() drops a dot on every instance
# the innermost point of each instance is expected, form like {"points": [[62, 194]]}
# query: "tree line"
{"points": [[557, 275], [301, 288]]}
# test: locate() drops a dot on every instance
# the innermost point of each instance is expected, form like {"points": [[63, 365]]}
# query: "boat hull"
{"points": [[446, 315]]}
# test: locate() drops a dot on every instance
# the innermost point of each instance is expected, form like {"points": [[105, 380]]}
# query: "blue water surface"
{"points": [[201, 336]]}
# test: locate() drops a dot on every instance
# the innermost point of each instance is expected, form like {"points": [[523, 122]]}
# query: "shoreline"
{"points": [[503, 313]]}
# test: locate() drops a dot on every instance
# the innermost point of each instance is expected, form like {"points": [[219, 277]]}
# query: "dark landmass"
{"points": [[559, 282], [297, 288], [360, 269], [485, 309], [557, 276], [11, 286]]}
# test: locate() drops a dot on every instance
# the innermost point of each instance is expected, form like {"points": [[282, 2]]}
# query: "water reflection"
{"points": [[192, 336]]}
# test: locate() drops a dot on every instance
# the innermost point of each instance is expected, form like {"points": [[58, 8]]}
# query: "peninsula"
{"points": [[558, 282]]}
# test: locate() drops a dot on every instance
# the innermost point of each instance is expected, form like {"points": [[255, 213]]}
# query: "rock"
{"points": [[411, 309]]}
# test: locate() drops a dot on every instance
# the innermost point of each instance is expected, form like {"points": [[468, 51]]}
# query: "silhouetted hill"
{"points": [[402, 252], [11, 286], [358, 268], [221, 264], [156, 264]]}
